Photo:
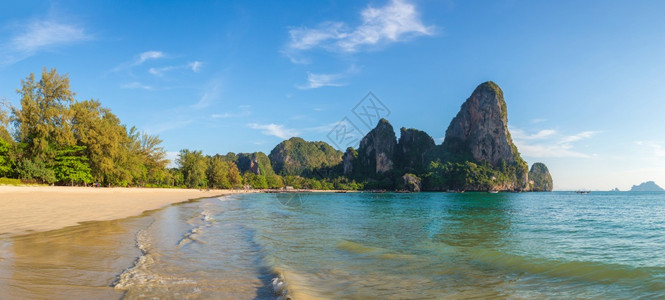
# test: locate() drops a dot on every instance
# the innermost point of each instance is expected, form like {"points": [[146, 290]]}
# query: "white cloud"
{"points": [[41, 35], [195, 66], [549, 143], [519, 134], [166, 126], [275, 130], [242, 113], [210, 95], [321, 80], [654, 148], [148, 55], [136, 85], [397, 21], [140, 59]]}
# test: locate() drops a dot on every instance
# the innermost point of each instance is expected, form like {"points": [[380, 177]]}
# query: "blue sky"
{"points": [[582, 79]]}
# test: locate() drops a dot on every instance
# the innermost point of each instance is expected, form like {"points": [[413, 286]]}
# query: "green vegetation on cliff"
{"points": [[296, 156], [540, 179]]}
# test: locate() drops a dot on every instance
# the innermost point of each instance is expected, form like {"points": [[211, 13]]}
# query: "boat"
{"points": [[493, 192], [582, 192]]}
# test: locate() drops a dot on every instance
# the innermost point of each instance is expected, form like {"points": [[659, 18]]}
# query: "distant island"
{"points": [[648, 186], [58, 140]]}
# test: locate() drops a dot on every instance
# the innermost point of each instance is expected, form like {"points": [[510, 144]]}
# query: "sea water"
{"points": [[357, 246]]}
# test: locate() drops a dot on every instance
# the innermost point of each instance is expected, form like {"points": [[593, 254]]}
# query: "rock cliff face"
{"points": [[377, 150], [257, 163], [411, 149], [348, 159], [540, 179], [295, 156], [479, 133]]}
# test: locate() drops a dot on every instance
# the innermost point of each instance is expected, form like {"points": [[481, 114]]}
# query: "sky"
{"points": [[583, 80]]}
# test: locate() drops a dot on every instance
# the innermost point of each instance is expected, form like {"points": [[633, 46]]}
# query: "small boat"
{"points": [[582, 192], [493, 192]]}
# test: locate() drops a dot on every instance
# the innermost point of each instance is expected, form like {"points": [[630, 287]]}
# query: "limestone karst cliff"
{"points": [[540, 179]]}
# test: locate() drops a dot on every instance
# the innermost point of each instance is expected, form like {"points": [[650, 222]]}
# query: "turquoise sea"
{"points": [[388, 246]]}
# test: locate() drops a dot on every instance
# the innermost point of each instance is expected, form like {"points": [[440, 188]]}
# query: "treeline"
{"points": [[55, 139], [52, 138], [247, 170]]}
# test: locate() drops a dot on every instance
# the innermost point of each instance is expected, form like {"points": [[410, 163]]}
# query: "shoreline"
{"points": [[29, 209]]}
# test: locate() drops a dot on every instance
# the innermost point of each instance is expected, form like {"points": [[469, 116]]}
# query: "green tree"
{"points": [[235, 180], [5, 161], [35, 170], [71, 165], [193, 166], [274, 181], [44, 120], [100, 131], [153, 157], [218, 173]]}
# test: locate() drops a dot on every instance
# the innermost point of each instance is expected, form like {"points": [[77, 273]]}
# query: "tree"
{"points": [[193, 166], [235, 180], [153, 157], [218, 173], [100, 131], [71, 165], [5, 161], [44, 120], [274, 181]]}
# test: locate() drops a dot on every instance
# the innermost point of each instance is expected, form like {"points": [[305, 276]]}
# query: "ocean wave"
{"points": [[141, 277], [590, 271]]}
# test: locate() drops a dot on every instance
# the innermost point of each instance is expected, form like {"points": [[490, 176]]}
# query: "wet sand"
{"points": [[26, 209]]}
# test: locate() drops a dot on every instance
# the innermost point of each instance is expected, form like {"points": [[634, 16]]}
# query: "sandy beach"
{"points": [[25, 209]]}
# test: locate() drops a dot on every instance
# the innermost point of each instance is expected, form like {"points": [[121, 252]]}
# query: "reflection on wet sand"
{"points": [[80, 260]]}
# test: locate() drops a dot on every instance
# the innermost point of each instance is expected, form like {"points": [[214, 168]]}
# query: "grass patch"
{"points": [[10, 181]]}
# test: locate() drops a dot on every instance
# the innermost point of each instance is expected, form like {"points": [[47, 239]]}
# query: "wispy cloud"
{"points": [[315, 81], [193, 66], [139, 59], [275, 130], [654, 148], [549, 143], [136, 85], [166, 126], [397, 21], [36, 36], [148, 55], [320, 80], [211, 93], [244, 112]]}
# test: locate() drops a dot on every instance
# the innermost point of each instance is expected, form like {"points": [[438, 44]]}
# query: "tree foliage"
{"points": [[71, 165]]}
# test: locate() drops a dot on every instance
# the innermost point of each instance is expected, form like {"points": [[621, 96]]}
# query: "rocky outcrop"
{"points": [[410, 182], [257, 163], [481, 126], [411, 149], [479, 133], [540, 179], [377, 150], [648, 186], [296, 156], [348, 159]]}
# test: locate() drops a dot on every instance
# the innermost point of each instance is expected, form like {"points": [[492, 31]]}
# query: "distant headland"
{"points": [[648, 186]]}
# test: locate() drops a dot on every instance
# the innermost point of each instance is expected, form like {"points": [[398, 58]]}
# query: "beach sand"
{"points": [[26, 209]]}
